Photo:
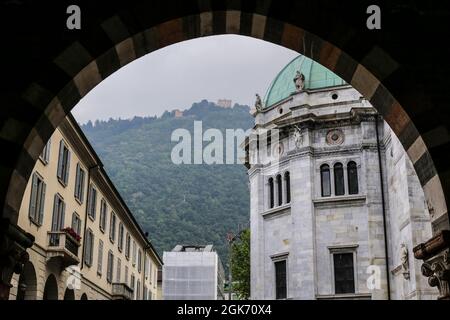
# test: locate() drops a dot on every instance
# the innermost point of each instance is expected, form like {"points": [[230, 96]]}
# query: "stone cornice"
{"points": [[336, 201], [433, 246], [277, 211]]}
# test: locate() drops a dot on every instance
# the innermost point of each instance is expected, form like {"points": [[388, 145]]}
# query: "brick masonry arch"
{"points": [[51, 68]]}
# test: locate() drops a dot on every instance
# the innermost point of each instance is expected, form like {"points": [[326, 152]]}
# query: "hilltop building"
{"points": [[224, 103]]}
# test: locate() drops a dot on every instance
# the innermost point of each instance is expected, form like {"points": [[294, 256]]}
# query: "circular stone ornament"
{"points": [[335, 137]]}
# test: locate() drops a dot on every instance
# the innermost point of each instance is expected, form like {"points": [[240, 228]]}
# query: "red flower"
{"points": [[72, 233]]}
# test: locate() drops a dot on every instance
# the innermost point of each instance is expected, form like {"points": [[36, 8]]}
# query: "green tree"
{"points": [[240, 262]]}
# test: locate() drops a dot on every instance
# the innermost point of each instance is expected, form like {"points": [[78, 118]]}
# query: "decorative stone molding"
{"points": [[258, 103], [299, 81], [404, 258], [335, 137], [436, 267], [13, 244], [298, 137]]}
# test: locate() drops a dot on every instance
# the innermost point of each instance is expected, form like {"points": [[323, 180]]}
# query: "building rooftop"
{"points": [[193, 248], [316, 77]]}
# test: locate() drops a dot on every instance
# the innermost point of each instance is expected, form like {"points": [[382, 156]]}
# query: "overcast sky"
{"points": [[212, 68]]}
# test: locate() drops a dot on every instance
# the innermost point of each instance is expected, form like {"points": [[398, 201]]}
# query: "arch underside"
{"points": [[50, 68]]}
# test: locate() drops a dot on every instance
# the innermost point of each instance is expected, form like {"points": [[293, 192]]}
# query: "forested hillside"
{"points": [[176, 204]]}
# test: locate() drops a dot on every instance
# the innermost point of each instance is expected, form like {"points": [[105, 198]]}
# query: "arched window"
{"points": [[352, 175], [280, 190], [271, 195], [325, 180], [339, 188], [287, 180]]}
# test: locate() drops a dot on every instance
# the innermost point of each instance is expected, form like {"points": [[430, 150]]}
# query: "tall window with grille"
{"points": [[344, 274], [325, 180], [279, 190], [280, 280], [352, 177], [271, 193], [339, 188], [287, 181]]}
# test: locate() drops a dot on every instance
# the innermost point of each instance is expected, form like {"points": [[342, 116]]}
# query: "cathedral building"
{"points": [[337, 214]]}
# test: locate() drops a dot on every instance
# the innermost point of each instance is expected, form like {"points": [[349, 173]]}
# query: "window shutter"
{"points": [[55, 213], [90, 247], [81, 183], [100, 256], [74, 221], [32, 209], [47, 151], [62, 216], [60, 159], [94, 201], [91, 191], [66, 173], [77, 182], [119, 267], [87, 247], [105, 215], [42, 202]]}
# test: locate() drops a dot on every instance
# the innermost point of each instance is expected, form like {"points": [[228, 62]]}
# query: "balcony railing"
{"points": [[121, 291], [62, 245]]}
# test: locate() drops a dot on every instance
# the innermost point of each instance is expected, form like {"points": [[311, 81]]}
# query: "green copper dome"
{"points": [[316, 76]]}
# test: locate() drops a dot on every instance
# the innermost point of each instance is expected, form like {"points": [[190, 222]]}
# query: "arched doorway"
{"points": [[385, 72], [69, 294], [26, 289], [84, 297], [51, 288]]}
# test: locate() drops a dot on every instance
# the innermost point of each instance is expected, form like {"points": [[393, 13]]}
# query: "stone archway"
{"points": [[84, 297], [26, 288], [62, 66], [69, 294], [51, 288]]}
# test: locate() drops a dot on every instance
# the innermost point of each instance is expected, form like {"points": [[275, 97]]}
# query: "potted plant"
{"points": [[72, 233]]}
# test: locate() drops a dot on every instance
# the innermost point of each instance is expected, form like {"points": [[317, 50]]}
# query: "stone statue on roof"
{"points": [[258, 103], [299, 81]]}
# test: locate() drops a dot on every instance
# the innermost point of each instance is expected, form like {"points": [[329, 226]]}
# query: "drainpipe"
{"points": [[86, 213], [383, 203]]}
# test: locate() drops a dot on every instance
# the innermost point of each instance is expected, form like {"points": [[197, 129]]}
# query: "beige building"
{"points": [[88, 244]]}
